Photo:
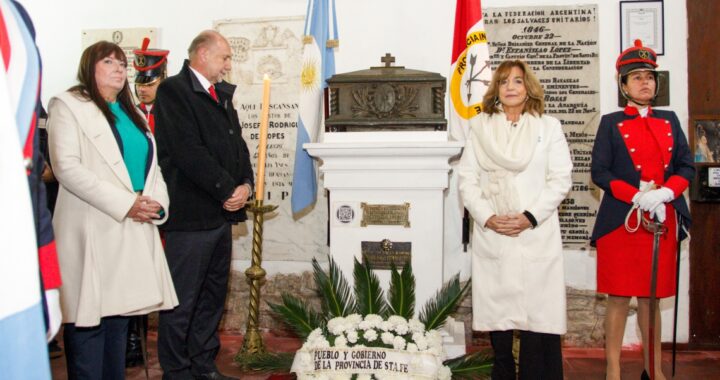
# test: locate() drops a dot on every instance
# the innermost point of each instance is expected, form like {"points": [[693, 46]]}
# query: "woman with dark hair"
{"points": [[112, 195], [642, 162], [514, 173]]}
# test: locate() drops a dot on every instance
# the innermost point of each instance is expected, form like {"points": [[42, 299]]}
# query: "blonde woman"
{"points": [[513, 174]]}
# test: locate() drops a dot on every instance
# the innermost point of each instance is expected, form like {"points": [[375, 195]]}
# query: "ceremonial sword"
{"points": [[657, 230]]}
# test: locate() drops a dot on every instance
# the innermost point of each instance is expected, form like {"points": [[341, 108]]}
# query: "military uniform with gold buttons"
{"points": [[632, 149]]}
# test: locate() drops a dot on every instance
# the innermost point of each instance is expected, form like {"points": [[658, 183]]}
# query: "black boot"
{"points": [[54, 349], [644, 376], [134, 352]]}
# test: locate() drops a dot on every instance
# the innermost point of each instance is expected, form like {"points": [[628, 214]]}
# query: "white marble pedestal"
{"points": [[392, 173]]}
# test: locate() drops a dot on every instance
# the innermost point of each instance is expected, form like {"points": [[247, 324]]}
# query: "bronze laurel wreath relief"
{"points": [[384, 101]]}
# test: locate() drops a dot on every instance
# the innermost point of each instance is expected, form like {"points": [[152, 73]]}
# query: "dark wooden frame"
{"points": [[703, 57], [692, 132], [699, 190]]}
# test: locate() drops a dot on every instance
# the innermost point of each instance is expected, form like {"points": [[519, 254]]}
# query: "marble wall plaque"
{"points": [[273, 46], [560, 44]]}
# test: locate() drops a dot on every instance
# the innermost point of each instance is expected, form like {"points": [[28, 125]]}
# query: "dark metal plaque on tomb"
{"points": [[385, 215], [386, 98], [382, 254]]}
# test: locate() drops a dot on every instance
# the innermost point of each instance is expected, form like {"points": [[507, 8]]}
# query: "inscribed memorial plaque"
{"points": [[273, 46], [385, 215], [383, 254]]}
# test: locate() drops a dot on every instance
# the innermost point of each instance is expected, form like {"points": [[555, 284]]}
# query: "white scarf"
{"points": [[503, 149]]}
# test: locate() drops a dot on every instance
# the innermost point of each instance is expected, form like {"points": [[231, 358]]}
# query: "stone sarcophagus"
{"points": [[386, 98]]}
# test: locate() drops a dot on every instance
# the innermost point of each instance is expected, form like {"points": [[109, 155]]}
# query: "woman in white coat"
{"points": [[514, 173], [112, 195]]}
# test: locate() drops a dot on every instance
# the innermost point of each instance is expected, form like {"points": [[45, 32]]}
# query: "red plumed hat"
{"points": [[150, 64], [636, 58]]}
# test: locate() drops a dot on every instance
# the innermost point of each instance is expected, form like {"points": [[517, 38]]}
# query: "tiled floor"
{"points": [[580, 364]]}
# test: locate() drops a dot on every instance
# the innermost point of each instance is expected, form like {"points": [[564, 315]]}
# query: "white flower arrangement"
{"points": [[361, 335], [355, 331]]}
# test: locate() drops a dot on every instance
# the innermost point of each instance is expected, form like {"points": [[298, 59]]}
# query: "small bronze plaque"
{"points": [[385, 215], [380, 254]]}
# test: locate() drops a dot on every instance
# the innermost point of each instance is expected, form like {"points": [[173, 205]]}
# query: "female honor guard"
{"points": [[642, 161]]}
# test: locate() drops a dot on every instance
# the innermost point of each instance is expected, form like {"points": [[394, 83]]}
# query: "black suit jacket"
{"points": [[200, 150]]}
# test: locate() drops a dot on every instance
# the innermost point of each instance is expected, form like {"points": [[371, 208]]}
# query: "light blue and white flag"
{"points": [[23, 353], [318, 64]]}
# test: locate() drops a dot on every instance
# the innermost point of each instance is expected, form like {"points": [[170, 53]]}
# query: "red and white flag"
{"points": [[23, 354], [470, 72]]}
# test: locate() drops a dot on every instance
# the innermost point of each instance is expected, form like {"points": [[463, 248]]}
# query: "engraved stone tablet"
{"points": [[385, 215], [381, 254]]}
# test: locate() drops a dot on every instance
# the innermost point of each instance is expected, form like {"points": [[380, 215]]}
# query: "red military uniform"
{"points": [[624, 258], [147, 112]]}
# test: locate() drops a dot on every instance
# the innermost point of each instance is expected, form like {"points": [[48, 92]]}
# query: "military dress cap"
{"points": [[636, 58], [150, 64]]}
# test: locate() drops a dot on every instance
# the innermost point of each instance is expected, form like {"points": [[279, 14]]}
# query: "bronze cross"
{"points": [[388, 60]]}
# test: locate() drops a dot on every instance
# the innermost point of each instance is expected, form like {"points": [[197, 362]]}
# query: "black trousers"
{"points": [[540, 356], [199, 263], [98, 352]]}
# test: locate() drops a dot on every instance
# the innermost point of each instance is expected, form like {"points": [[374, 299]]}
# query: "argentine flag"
{"points": [[318, 64], [23, 352]]}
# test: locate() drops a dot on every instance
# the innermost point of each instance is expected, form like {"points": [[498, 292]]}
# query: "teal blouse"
{"points": [[134, 145]]}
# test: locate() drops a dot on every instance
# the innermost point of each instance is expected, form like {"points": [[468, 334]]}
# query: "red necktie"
{"points": [[212, 92]]}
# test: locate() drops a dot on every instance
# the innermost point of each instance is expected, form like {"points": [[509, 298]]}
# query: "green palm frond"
{"points": [[477, 365], [401, 295], [439, 308], [368, 293], [337, 299], [295, 314], [279, 362]]}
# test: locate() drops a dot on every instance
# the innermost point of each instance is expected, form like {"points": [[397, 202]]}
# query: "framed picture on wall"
{"points": [[705, 138], [642, 20]]}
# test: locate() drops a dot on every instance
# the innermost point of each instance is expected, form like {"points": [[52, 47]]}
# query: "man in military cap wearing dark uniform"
{"points": [[150, 69]]}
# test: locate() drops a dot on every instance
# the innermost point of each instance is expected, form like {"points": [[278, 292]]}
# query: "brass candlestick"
{"points": [[252, 342]]}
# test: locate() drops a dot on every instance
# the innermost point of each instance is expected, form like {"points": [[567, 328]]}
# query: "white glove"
{"points": [[653, 198], [659, 213], [52, 297]]}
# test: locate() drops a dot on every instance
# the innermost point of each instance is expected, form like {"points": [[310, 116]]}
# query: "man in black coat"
{"points": [[206, 166]]}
